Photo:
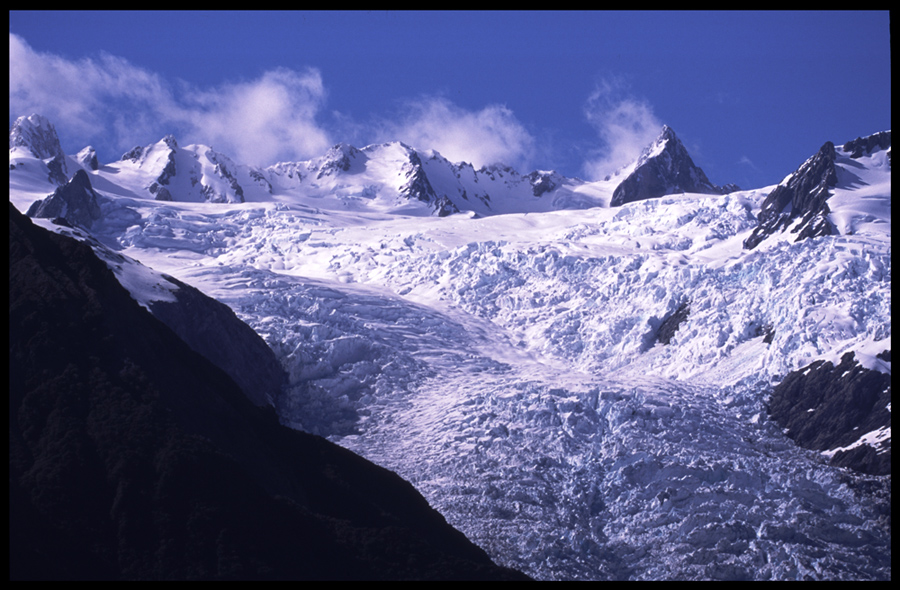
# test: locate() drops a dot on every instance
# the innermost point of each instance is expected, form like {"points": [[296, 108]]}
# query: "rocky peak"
{"points": [[38, 135], [802, 196], [664, 167], [338, 158], [225, 169], [667, 134], [866, 145], [168, 172], [418, 187], [76, 202], [139, 152], [169, 141]]}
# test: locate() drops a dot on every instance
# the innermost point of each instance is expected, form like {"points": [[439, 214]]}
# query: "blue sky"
{"points": [[751, 94]]}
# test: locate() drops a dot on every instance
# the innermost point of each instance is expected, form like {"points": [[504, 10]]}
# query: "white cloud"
{"points": [[77, 95], [625, 125], [748, 162], [110, 102], [114, 105], [265, 120], [491, 135]]}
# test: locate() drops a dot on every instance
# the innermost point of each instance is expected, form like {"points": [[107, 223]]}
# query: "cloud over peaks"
{"points": [[264, 120], [114, 105], [625, 125], [117, 105], [78, 95], [491, 135]]}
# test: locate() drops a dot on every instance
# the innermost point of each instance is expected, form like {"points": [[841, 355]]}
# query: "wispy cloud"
{"points": [[112, 102], [487, 136], [116, 105], [259, 122], [625, 125], [747, 162], [86, 96]]}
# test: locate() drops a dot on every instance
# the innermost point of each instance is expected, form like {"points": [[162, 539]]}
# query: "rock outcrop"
{"points": [[842, 410], [799, 202], [76, 202], [863, 146], [419, 188]]}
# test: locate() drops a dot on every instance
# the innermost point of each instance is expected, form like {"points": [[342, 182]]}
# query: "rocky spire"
{"points": [[76, 202], [665, 167]]}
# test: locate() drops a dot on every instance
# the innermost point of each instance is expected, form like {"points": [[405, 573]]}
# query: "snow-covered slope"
{"points": [[195, 173], [508, 360]]}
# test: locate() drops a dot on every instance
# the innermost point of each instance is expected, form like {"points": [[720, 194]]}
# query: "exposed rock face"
{"points": [[169, 170], [671, 324], [225, 169], [443, 206], [163, 194], [191, 173], [663, 169], [863, 146], [419, 187], [799, 201], [134, 154], [158, 187], [837, 409], [38, 135], [339, 158], [133, 457], [542, 182], [76, 202]]}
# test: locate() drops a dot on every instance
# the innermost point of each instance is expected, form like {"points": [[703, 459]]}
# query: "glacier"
{"points": [[505, 359]]}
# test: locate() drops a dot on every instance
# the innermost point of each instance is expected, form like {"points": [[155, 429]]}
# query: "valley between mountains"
{"points": [[645, 377]]}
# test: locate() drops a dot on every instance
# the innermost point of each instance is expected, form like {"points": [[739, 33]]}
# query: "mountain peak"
{"points": [[76, 202], [339, 158], [664, 167], [801, 195], [87, 157], [169, 141], [36, 134], [667, 133]]}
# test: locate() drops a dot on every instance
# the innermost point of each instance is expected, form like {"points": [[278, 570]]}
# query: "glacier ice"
{"points": [[507, 365], [510, 375]]}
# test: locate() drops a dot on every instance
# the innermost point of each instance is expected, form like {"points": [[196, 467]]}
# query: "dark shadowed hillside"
{"points": [[133, 457]]}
